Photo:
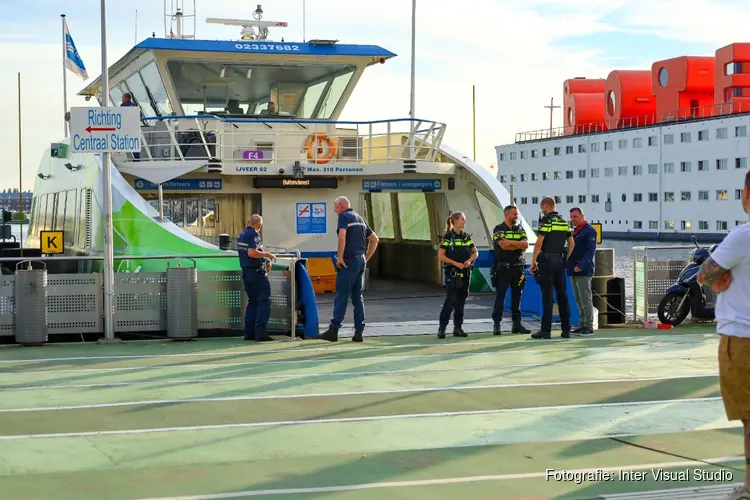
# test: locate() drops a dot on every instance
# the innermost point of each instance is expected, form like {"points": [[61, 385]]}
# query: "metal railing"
{"points": [[75, 302], [679, 115], [652, 276], [256, 142]]}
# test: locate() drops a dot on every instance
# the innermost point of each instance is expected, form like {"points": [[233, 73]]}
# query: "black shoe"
{"points": [[541, 335], [577, 329], [496, 329], [331, 335], [565, 335], [585, 332], [519, 328], [264, 339], [458, 332], [441, 332], [357, 336]]}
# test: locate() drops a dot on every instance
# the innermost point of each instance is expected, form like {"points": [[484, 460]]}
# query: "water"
{"points": [[15, 230]]}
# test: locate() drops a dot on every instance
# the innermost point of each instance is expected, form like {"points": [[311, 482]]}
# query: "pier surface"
{"points": [[398, 417]]}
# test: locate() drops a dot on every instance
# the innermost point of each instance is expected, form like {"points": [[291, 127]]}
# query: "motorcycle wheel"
{"points": [[668, 309]]}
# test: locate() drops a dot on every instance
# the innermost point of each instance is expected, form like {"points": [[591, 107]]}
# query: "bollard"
{"points": [[224, 241], [182, 301], [604, 270], [31, 305]]}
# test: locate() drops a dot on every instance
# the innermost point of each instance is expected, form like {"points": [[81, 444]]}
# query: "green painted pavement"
{"points": [[206, 477]]}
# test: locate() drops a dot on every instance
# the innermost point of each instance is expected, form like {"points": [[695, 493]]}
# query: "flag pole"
{"points": [[413, 76], [20, 167], [474, 117], [65, 76]]}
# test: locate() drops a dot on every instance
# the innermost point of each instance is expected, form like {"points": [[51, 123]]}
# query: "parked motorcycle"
{"points": [[687, 296]]}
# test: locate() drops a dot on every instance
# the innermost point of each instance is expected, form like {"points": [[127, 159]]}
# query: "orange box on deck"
{"points": [[322, 274], [732, 78], [576, 87], [628, 100], [683, 86]]}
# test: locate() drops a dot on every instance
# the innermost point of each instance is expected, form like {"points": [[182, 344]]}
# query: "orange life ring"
{"points": [[320, 138]]}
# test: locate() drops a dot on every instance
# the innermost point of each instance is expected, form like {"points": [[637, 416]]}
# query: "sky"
{"points": [[516, 53]]}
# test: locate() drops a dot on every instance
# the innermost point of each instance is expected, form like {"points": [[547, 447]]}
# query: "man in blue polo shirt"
{"points": [[255, 269], [351, 260], [581, 271]]}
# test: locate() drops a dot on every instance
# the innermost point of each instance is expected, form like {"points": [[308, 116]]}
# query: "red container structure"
{"points": [[577, 87], [683, 87], [628, 101], [732, 79]]}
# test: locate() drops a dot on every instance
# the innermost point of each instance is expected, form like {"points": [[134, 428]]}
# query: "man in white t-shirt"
{"points": [[727, 271]]}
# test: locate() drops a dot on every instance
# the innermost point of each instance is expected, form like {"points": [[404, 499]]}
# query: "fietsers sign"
{"points": [[105, 130]]}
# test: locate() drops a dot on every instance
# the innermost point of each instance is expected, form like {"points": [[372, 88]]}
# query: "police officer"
{"points": [[255, 269], [548, 266], [353, 254], [457, 253], [510, 242]]}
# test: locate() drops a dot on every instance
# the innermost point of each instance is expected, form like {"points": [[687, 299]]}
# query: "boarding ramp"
{"points": [[75, 302]]}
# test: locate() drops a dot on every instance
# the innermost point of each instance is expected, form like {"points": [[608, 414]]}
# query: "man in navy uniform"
{"points": [[255, 269], [510, 242], [353, 254], [548, 266]]}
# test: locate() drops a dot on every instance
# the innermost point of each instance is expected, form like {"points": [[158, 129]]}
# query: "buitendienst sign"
{"points": [[105, 130]]}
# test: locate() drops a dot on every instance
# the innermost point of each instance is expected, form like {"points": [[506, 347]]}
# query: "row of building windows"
{"points": [[703, 195], [637, 142], [623, 170], [671, 225]]}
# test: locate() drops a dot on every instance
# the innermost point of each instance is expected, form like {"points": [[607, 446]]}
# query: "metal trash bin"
{"points": [[182, 301], [224, 241], [31, 305]]}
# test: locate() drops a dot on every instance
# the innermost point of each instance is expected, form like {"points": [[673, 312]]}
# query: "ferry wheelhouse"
{"points": [[232, 128]]}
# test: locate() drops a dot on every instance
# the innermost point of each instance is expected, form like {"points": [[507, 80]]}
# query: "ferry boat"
{"points": [[232, 128], [657, 153]]}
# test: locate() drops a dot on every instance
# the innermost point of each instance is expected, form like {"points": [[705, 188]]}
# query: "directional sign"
{"points": [[106, 130], [401, 184], [52, 241]]}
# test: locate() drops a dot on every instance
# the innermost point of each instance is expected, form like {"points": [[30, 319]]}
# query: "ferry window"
{"points": [[513, 178], [703, 225], [524, 201], [582, 173], [568, 174], [638, 197], [545, 152], [523, 177], [637, 224], [502, 155], [652, 140], [703, 195], [569, 199], [622, 144], [607, 145], [721, 164], [191, 212], [653, 224], [669, 168], [557, 151], [702, 165], [581, 148], [558, 176], [669, 139], [740, 162], [721, 195], [637, 142], [686, 225], [414, 216], [594, 147], [491, 213], [652, 197], [503, 179], [70, 218], [740, 131], [568, 150], [737, 194], [581, 198], [534, 153], [669, 196], [311, 98], [558, 199], [60, 211], [513, 155], [523, 155], [178, 212], [721, 133], [653, 169], [115, 94], [534, 176], [685, 196], [534, 224], [155, 86], [637, 169], [685, 166], [594, 198], [594, 172], [721, 225], [138, 90], [609, 172], [685, 137], [535, 200], [668, 224], [622, 170], [335, 91], [382, 215], [703, 135], [208, 214], [545, 176]]}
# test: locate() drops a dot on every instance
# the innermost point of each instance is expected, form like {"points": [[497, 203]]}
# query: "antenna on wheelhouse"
{"points": [[251, 30], [174, 19]]}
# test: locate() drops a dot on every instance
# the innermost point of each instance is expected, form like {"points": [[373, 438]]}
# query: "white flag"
{"points": [[73, 61]]}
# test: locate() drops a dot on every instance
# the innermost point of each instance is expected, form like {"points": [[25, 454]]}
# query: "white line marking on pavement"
{"points": [[373, 418], [447, 480], [348, 393], [637, 340]]}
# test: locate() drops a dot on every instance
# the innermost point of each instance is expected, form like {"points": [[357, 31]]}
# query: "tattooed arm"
{"points": [[710, 272]]}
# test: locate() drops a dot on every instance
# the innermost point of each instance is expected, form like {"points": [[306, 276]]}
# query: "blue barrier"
{"points": [[531, 300]]}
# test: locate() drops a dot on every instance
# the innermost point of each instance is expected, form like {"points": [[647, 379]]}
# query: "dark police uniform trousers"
{"points": [[508, 271], [457, 247], [551, 264], [257, 287]]}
